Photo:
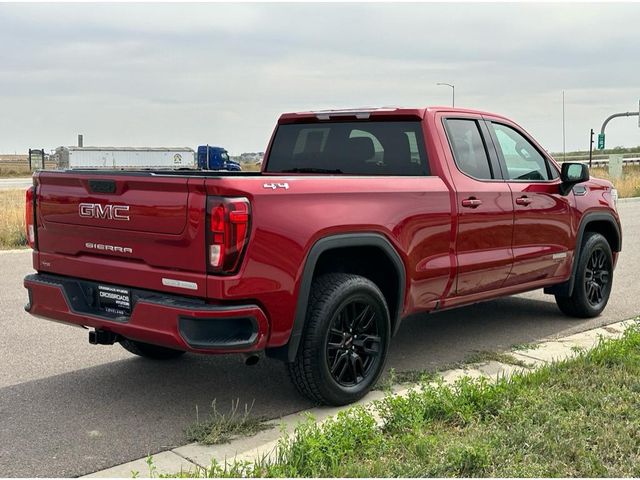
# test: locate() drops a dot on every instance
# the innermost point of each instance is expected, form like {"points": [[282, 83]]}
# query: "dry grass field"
{"points": [[12, 229], [12, 166], [628, 185], [251, 167], [14, 170]]}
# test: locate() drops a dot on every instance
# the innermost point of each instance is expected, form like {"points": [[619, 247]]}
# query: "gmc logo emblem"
{"points": [[109, 212]]}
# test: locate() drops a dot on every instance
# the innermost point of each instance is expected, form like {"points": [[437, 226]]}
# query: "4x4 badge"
{"points": [[273, 186]]}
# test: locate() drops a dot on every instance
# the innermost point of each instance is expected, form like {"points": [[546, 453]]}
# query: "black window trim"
{"points": [[494, 165], [503, 163], [493, 151]]}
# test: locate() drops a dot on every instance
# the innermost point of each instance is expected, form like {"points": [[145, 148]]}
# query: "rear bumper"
{"points": [[157, 318]]}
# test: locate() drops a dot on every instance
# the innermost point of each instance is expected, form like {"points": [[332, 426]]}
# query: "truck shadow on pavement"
{"points": [[94, 418], [436, 340]]}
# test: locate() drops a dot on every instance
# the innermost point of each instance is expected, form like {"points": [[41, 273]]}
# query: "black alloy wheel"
{"points": [[345, 340], [593, 279], [597, 276], [353, 346]]}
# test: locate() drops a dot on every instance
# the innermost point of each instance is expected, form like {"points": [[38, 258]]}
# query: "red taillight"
{"points": [[30, 231], [228, 232]]}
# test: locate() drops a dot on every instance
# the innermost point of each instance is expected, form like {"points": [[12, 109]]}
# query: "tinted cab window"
{"points": [[522, 159], [357, 148]]}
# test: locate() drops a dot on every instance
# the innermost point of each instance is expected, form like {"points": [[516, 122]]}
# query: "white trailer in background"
{"points": [[125, 158]]}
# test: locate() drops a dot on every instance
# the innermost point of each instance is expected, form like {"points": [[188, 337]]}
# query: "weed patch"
{"points": [[221, 428], [403, 377], [525, 346], [488, 356]]}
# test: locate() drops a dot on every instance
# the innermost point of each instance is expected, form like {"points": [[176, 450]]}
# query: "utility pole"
{"points": [[564, 150], [590, 148]]}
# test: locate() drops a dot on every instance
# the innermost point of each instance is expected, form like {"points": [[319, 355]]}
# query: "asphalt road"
{"points": [[68, 408], [13, 183]]}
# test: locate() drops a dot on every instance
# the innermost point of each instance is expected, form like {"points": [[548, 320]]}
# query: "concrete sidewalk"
{"points": [[189, 457]]}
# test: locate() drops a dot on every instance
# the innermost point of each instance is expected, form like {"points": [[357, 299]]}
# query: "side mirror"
{"points": [[572, 174]]}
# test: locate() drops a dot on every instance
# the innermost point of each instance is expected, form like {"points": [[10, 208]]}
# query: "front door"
{"points": [[542, 243]]}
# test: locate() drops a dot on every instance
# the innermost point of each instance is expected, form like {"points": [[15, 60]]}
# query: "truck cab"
{"points": [[216, 158]]}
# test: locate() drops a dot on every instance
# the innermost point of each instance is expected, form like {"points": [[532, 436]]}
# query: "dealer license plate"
{"points": [[114, 300]]}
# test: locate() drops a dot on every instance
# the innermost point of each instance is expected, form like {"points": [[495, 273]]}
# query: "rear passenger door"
{"points": [[484, 207], [542, 243]]}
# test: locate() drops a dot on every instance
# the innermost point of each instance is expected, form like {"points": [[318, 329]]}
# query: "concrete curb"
{"points": [[189, 457], [629, 200], [15, 250]]}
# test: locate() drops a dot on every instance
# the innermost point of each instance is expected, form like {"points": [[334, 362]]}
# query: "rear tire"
{"points": [[150, 351], [345, 340], [593, 281]]}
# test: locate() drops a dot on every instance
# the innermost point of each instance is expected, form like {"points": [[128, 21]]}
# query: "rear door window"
{"points": [[469, 151], [354, 148]]}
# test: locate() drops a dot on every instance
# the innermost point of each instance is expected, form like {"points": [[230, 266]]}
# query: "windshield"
{"points": [[354, 148]]}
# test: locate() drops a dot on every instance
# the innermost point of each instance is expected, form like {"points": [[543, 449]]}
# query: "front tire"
{"points": [[594, 279], [150, 351], [345, 340]]}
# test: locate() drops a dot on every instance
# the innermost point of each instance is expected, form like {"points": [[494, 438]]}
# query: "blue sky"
{"points": [[189, 74]]}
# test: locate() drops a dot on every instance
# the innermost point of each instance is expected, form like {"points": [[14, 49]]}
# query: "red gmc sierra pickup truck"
{"points": [[358, 219]]}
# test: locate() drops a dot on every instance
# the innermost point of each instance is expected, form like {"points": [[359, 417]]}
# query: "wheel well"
{"points": [[368, 254], [600, 223], [368, 261], [607, 230]]}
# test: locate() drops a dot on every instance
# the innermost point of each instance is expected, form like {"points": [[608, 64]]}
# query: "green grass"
{"points": [[221, 428], [577, 418]]}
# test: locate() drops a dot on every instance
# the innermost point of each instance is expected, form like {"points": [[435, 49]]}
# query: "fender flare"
{"points": [[565, 289], [289, 351]]}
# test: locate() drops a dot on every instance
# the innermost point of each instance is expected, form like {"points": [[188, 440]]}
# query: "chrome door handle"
{"points": [[471, 202], [523, 201]]}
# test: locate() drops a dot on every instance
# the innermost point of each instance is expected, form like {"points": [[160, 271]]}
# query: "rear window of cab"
{"points": [[351, 148]]}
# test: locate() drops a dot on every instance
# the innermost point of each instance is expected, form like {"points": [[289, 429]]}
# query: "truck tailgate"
{"points": [[150, 224]]}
